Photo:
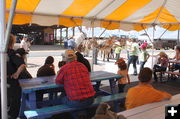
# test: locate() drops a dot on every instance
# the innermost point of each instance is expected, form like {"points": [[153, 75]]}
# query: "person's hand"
{"points": [[15, 75]]}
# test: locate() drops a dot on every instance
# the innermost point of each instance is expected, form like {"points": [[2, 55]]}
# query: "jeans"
{"points": [[117, 56], [133, 60], [158, 68], [70, 47], [142, 65], [121, 88], [77, 103]]}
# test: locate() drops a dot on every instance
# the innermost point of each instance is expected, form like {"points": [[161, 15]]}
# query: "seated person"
{"points": [[76, 80], [144, 93], [22, 54], [163, 61], [177, 57], [48, 68], [60, 64], [80, 58]]}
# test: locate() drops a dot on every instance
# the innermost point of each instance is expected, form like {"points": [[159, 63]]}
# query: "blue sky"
{"points": [[98, 31]]}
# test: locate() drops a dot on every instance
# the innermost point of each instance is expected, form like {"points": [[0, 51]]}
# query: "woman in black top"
{"points": [[80, 58]]}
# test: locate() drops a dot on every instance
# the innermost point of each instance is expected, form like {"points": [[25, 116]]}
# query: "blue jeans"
{"points": [[133, 60], [142, 65], [70, 47], [77, 103]]}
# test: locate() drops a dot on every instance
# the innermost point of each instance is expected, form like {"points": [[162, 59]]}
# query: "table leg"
{"points": [[32, 100], [23, 104], [112, 83]]}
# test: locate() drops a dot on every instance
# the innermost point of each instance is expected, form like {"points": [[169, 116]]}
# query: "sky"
{"points": [[132, 34]]}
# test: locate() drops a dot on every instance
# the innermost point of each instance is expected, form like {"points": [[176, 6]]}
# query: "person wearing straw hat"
{"points": [[162, 64], [76, 80]]}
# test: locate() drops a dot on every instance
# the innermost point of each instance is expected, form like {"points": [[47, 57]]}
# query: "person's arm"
{"points": [[21, 68], [147, 57], [167, 96], [60, 77]]}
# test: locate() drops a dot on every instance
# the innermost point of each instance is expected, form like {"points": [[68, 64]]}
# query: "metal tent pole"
{"points": [[153, 46], [178, 36], [93, 52], [3, 61], [4, 46]]}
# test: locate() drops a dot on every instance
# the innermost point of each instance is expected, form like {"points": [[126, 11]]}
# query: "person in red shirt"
{"points": [[76, 80]]}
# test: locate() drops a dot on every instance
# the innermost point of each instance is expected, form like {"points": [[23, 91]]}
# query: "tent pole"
{"points": [[165, 31], [153, 46], [4, 46], [3, 61], [93, 52], [10, 22]]}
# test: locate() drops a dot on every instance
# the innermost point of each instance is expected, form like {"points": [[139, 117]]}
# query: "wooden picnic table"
{"points": [[30, 86], [150, 111]]}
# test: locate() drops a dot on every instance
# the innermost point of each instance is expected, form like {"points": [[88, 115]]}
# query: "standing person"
{"points": [[118, 51], [24, 45], [76, 80], [65, 43], [143, 57], [15, 66], [71, 44], [123, 71], [133, 55], [128, 46], [163, 64], [144, 93], [22, 54], [80, 58]]}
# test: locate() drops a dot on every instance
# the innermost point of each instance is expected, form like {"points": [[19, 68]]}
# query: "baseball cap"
{"points": [[120, 60], [21, 51], [69, 54]]}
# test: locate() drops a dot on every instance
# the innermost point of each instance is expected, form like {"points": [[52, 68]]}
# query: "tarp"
{"points": [[109, 14]]}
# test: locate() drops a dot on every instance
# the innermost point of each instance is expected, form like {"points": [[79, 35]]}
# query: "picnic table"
{"points": [[30, 86], [150, 111]]}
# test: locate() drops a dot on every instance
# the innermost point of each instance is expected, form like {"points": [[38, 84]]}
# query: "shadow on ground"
{"points": [[172, 87]]}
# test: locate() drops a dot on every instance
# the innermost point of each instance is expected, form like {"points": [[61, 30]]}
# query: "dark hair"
{"points": [[145, 75], [61, 63], [133, 40], [122, 66], [80, 57], [12, 40], [49, 60]]}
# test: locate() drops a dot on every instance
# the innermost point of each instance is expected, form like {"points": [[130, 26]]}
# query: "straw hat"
{"points": [[70, 54], [162, 54]]}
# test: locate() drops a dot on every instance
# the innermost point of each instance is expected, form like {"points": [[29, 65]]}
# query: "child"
{"points": [[123, 71], [144, 93], [60, 64], [163, 61], [144, 56]]}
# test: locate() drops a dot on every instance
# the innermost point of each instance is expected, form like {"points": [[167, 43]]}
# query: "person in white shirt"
{"points": [[24, 45]]}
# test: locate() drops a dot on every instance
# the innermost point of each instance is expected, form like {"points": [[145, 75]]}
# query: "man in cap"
{"points": [[76, 80]]}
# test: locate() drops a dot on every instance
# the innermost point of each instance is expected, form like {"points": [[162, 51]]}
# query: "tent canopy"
{"points": [[109, 14]]}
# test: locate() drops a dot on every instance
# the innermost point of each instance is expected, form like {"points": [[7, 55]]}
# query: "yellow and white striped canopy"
{"points": [[109, 14]]}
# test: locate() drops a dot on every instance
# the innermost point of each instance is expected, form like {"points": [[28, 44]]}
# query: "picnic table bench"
{"points": [[31, 86], [47, 112]]}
